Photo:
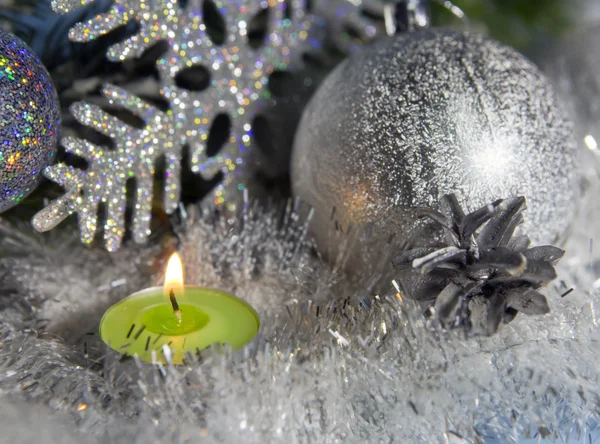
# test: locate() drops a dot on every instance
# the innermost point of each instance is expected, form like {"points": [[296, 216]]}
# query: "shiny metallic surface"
{"points": [[416, 116], [573, 66], [408, 15]]}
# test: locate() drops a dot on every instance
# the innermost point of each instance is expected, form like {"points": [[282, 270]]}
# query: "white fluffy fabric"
{"points": [[335, 360]]}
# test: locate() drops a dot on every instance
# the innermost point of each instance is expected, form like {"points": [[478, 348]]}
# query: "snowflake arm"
{"points": [[72, 180], [98, 26], [156, 20], [66, 6], [159, 138], [105, 180]]}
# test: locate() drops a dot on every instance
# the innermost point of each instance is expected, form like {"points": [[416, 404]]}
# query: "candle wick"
{"points": [[175, 305]]}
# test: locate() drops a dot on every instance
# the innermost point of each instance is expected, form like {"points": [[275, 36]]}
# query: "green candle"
{"points": [[187, 319]]}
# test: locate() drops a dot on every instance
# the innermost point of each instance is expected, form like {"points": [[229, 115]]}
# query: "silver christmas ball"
{"points": [[414, 117], [29, 119]]}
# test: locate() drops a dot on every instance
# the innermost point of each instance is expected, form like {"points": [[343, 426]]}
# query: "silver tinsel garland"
{"points": [[334, 360]]}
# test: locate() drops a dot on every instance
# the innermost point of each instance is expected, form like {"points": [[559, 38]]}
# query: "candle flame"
{"points": [[174, 277]]}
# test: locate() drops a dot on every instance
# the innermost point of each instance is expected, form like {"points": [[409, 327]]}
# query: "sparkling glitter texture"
{"points": [[105, 179], [428, 113], [29, 120], [239, 74]]}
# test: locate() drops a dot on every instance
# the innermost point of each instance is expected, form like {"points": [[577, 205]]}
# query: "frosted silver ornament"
{"points": [[29, 120], [416, 116]]}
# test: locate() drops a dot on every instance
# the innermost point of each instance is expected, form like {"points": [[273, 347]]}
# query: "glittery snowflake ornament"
{"points": [[239, 74]]}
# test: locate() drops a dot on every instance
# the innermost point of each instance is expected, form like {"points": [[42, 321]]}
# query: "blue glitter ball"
{"points": [[29, 120]]}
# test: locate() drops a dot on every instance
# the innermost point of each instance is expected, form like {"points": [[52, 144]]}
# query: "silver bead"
{"points": [[420, 115]]}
